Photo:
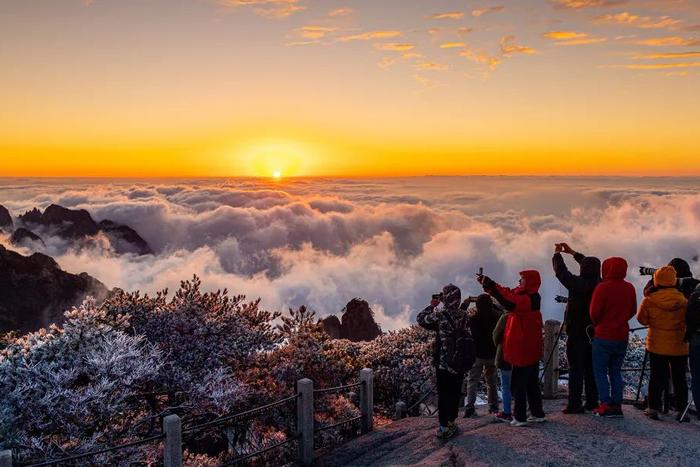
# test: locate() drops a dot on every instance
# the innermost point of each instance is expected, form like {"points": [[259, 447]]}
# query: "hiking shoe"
{"points": [[440, 432], [469, 411], [572, 410], [517, 423], [651, 414], [503, 417], [533, 419], [493, 409], [616, 411]]}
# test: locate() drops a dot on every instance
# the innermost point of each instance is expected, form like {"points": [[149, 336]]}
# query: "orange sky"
{"points": [[246, 88]]}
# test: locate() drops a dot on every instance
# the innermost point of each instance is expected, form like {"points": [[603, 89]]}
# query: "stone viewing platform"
{"points": [[564, 440]]}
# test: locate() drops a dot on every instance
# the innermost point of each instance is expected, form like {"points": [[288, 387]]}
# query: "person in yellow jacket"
{"points": [[663, 311]]}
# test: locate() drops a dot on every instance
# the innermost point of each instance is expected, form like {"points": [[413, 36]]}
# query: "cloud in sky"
{"points": [[510, 47], [667, 41], [315, 32], [656, 66], [371, 35], [643, 22], [477, 13], [666, 55], [340, 12], [583, 4], [449, 15], [395, 46], [392, 242], [275, 9], [452, 45], [573, 38]]}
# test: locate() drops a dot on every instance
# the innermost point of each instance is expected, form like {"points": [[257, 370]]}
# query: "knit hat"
{"points": [[665, 277]]}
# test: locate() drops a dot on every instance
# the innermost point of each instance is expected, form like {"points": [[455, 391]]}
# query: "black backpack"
{"points": [[461, 350]]}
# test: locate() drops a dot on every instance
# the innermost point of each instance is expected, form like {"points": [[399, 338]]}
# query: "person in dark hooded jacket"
{"points": [[686, 283], [522, 342], [692, 336], [449, 380], [579, 352], [613, 304]]}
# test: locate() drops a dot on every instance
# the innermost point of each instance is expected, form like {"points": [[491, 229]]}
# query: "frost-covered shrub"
{"points": [[402, 362], [77, 387]]}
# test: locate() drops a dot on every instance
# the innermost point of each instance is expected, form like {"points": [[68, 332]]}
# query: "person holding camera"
{"points": [[685, 282], [482, 324], [523, 345], [613, 304], [577, 319], [449, 355], [664, 312]]}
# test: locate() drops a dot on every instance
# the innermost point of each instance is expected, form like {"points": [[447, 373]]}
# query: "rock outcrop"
{"points": [[35, 291], [78, 224], [5, 217], [22, 236], [357, 323]]}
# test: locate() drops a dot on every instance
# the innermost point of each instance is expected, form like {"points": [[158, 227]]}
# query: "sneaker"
{"points": [[533, 419], [469, 411], [440, 432], [517, 423], [572, 410], [450, 431], [493, 409], [503, 417], [651, 414], [608, 411]]}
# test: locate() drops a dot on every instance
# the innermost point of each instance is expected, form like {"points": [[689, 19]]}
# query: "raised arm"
{"points": [[562, 273], [428, 318]]}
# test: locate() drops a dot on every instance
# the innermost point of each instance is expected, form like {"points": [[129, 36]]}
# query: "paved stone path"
{"points": [[564, 440]]}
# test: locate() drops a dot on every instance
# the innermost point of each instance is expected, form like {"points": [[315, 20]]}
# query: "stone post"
{"points": [[172, 454], [399, 410], [6, 458], [367, 399], [305, 420], [551, 347]]}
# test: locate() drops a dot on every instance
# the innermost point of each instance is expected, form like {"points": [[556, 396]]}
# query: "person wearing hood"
{"points": [[664, 312], [685, 282], [523, 345], [449, 380], [692, 336], [482, 324], [613, 304], [577, 319]]}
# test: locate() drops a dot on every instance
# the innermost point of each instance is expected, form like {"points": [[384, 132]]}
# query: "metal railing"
{"points": [[302, 432]]}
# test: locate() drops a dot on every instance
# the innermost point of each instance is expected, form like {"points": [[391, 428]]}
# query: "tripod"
{"points": [[687, 408], [555, 347]]}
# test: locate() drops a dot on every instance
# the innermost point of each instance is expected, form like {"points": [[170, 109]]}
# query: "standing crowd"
{"points": [[503, 334]]}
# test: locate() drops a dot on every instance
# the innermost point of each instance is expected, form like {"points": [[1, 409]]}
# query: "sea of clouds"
{"points": [[393, 242]]}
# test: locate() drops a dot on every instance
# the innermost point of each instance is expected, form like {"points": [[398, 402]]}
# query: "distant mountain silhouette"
{"points": [[357, 323], [22, 235], [5, 217], [78, 224], [35, 291]]}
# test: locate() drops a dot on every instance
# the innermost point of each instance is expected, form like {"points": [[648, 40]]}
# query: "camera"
{"points": [[561, 299], [438, 296], [467, 301], [645, 271]]}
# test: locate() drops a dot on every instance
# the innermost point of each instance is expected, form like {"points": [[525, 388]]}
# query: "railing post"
{"points": [[172, 453], [399, 410], [367, 399], [551, 347], [305, 420], [6, 458]]}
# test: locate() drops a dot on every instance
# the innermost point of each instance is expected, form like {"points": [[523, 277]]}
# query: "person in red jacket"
{"points": [[522, 342], [613, 304]]}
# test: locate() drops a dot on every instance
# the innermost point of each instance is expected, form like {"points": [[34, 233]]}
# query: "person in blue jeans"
{"points": [[505, 369], [692, 321], [613, 304]]}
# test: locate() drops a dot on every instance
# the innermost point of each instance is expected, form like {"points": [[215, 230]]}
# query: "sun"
{"points": [[277, 174]]}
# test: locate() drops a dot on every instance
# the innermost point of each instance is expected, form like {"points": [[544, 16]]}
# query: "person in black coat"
{"points": [[577, 320], [692, 335]]}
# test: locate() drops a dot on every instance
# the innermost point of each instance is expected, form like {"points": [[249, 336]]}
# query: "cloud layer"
{"points": [[393, 241]]}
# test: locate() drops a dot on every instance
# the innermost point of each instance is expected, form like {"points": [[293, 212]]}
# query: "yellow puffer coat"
{"points": [[664, 312]]}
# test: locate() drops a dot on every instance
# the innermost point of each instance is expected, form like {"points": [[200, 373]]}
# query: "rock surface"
{"points": [[5, 217], [22, 235], [357, 323], [564, 440], [35, 291]]}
